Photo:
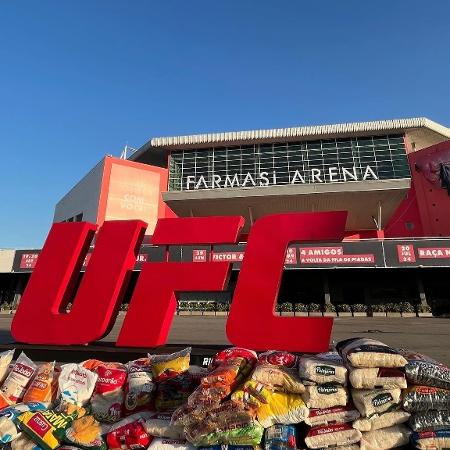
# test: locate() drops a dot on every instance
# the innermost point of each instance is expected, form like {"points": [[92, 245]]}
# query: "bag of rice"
{"points": [[159, 425], [76, 384], [169, 366], [170, 444], [332, 435], [323, 368], [325, 396], [17, 381], [280, 378], [85, 433], [431, 440], [422, 370], [377, 378], [386, 438], [5, 360], [336, 414], [129, 433], [379, 421], [24, 443], [139, 386], [377, 401], [8, 418], [362, 352], [42, 388], [430, 421], [424, 398], [107, 400], [46, 428], [280, 437]]}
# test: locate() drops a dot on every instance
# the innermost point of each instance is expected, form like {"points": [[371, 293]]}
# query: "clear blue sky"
{"points": [[80, 79]]}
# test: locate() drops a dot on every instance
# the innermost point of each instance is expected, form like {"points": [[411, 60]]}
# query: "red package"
{"points": [[110, 377], [131, 436], [233, 353], [278, 358]]}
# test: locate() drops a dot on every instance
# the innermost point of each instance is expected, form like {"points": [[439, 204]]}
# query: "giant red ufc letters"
{"points": [[42, 318]]}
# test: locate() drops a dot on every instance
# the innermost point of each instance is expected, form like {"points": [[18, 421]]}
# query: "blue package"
{"points": [[280, 437]]}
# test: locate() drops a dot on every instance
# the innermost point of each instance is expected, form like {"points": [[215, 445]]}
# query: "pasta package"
{"points": [[385, 438], [363, 352], [325, 396], [431, 440], [279, 377], [425, 371], [323, 369], [430, 421], [169, 366], [424, 398], [379, 421], [42, 388], [375, 378], [85, 433], [336, 414], [332, 436], [377, 401]]}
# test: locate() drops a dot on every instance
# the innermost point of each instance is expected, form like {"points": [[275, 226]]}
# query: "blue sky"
{"points": [[80, 79]]}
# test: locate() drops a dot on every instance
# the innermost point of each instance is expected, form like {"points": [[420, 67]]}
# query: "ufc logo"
{"points": [[42, 318]]}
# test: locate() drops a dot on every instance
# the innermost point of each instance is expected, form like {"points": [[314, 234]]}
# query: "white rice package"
{"points": [[159, 425], [377, 401], [332, 436], [325, 396], [170, 444], [323, 368], [5, 360], [362, 352], [377, 378], [336, 414], [431, 440], [385, 438], [76, 384], [379, 421]]}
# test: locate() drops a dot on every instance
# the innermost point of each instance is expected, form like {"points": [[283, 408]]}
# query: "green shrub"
{"points": [[329, 308], [344, 308], [423, 308], [406, 307], [222, 306], [393, 307], [287, 307], [359, 307], [378, 308], [300, 307], [314, 307]]}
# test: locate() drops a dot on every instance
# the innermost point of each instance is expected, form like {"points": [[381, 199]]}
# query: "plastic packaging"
{"points": [[129, 433], [332, 435], [328, 416], [231, 353], [280, 437], [76, 384], [42, 388], [85, 433], [279, 377], [323, 368], [379, 421], [159, 425], [431, 440], [424, 398], [376, 401], [325, 396], [24, 443], [169, 366], [139, 386], [17, 381], [279, 358], [5, 360], [385, 438], [170, 444], [377, 378], [430, 421], [362, 352]]}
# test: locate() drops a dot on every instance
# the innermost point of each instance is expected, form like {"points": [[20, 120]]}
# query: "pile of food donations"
{"points": [[364, 395]]}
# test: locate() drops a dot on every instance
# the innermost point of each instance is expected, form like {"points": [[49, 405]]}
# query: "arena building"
{"points": [[392, 176]]}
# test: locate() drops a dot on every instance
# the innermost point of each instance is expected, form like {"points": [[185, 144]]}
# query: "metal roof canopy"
{"points": [[370, 204]]}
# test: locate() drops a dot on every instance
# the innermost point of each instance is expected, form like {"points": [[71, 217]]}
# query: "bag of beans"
{"points": [[386, 438], [325, 396], [377, 401], [15, 385], [362, 352], [376, 378], [323, 368], [332, 436], [379, 421], [430, 421], [422, 370], [336, 414], [431, 440], [424, 398]]}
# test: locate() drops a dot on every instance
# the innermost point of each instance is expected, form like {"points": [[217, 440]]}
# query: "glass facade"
{"points": [[319, 161]]}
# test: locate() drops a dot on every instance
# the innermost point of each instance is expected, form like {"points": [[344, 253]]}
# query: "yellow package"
{"points": [[169, 366], [46, 428]]}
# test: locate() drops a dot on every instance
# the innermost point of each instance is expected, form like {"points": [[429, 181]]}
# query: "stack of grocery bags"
{"points": [[365, 395]]}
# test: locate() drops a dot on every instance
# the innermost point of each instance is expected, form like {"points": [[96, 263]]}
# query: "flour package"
{"points": [[323, 368], [377, 401], [377, 378], [15, 385], [386, 438], [332, 436], [362, 352], [325, 396], [76, 384], [422, 370], [379, 421], [328, 416]]}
